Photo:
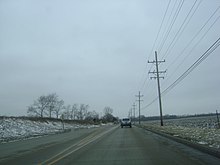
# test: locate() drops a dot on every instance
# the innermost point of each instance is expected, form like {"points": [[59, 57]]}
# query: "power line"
{"points": [[151, 52], [160, 28], [203, 36], [195, 36], [155, 99], [204, 56], [171, 25], [193, 66], [182, 27], [167, 24]]}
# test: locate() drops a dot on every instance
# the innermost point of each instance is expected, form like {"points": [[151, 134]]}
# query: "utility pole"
{"points": [[157, 73], [130, 113], [134, 111], [139, 100], [217, 119]]}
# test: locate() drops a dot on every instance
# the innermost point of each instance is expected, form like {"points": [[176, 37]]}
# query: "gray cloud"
{"points": [[95, 52]]}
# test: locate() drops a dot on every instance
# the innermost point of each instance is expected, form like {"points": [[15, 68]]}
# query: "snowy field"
{"points": [[12, 129], [201, 130]]}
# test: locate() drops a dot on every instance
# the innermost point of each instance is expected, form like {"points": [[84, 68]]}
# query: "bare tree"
{"points": [[39, 107], [59, 106], [52, 100], [32, 111], [83, 109], [67, 114], [92, 116], [108, 117], [108, 110], [46, 105], [74, 111], [51, 105]]}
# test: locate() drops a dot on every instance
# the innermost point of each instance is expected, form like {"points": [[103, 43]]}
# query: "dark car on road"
{"points": [[125, 122]]}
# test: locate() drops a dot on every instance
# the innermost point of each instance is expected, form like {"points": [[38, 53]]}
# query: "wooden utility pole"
{"points": [[157, 73], [139, 101], [134, 111], [217, 118]]}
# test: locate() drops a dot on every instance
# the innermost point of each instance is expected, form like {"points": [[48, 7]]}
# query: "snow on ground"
{"points": [[22, 128], [201, 130]]}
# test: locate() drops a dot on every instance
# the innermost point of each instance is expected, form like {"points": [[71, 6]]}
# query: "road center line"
{"points": [[82, 143]]}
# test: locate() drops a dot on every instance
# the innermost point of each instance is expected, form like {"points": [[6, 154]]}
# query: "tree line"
{"points": [[51, 106]]}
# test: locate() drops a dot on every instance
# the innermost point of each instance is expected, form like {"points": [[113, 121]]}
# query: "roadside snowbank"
{"points": [[20, 128]]}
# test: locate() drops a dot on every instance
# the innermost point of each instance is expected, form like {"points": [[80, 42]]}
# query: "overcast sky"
{"points": [[96, 52]]}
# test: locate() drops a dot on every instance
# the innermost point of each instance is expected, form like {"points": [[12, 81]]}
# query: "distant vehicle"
{"points": [[125, 122]]}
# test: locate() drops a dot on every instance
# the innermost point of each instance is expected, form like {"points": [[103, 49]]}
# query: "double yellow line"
{"points": [[75, 147]]}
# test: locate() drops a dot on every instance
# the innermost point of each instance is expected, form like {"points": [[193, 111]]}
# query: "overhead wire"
{"points": [[209, 51], [159, 31], [195, 36], [171, 25], [182, 27], [169, 17], [151, 52], [204, 56], [198, 32], [146, 81], [167, 28], [167, 24]]}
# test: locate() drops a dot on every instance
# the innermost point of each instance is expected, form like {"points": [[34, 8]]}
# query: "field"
{"points": [[18, 128], [201, 130]]}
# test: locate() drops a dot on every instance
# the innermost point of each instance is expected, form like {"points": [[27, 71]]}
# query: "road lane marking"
{"points": [[89, 136], [82, 143]]}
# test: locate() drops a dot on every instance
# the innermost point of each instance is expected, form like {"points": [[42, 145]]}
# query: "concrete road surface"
{"points": [[108, 145]]}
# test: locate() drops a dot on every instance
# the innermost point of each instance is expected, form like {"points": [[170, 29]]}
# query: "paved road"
{"points": [[109, 145]]}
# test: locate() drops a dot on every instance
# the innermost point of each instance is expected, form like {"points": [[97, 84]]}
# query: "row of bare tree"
{"points": [[46, 106], [51, 106]]}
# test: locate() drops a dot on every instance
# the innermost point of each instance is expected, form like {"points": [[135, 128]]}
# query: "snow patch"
{"points": [[201, 130], [12, 129]]}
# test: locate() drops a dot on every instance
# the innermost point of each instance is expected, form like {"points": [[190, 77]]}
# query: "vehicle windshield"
{"points": [[109, 82]]}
